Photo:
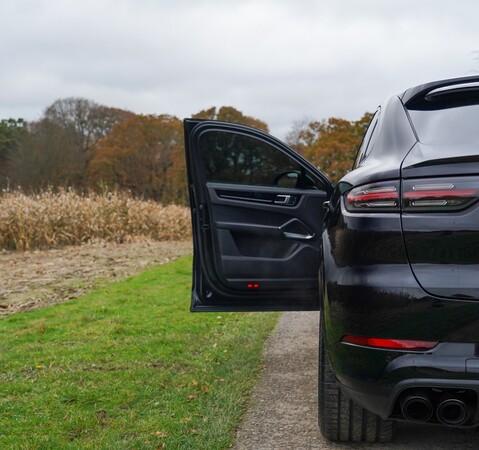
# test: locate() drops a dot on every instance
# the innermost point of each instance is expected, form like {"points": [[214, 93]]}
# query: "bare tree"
{"points": [[49, 155], [86, 120]]}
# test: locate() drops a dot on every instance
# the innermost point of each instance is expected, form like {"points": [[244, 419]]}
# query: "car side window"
{"points": [[231, 157], [368, 140]]}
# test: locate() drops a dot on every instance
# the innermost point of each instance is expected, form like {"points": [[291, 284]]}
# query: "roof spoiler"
{"points": [[422, 96]]}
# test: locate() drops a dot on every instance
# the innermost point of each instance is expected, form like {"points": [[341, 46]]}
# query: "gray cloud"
{"points": [[278, 60]]}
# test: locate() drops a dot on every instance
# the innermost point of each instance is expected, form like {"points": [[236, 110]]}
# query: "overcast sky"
{"points": [[278, 60]]}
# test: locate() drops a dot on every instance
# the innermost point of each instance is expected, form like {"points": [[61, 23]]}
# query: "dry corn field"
{"points": [[53, 220]]}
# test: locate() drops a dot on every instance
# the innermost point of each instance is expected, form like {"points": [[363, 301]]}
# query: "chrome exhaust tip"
{"points": [[417, 407], [453, 412]]}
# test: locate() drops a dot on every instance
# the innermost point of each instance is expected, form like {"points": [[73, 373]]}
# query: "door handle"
{"points": [[295, 229], [298, 236], [282, 199]]}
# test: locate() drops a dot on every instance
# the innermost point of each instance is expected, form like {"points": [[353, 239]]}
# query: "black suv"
{"points": [[395, 244]]}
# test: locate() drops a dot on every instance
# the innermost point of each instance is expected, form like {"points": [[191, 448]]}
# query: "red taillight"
{"points": [[392, 344], [422, 195], [416, 196], [378, 197]]}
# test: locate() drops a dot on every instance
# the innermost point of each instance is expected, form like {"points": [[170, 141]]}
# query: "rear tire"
{"points": [[341, 419]]}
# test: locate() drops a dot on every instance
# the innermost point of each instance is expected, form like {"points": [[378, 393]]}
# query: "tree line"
{"points": [[81, 144]]}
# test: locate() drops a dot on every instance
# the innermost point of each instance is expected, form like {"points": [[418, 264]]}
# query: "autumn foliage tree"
{"points": [[82, 144], [146, 154], [331, 145], [137, 154], [176, 187]]}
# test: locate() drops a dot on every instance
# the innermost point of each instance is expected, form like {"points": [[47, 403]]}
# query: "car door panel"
{"points": [[256, 247], [281, 245]]}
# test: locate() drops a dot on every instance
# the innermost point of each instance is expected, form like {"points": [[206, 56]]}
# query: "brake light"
{"points": [[378, 197], [417, 196], [392, 344], [422, 195]]}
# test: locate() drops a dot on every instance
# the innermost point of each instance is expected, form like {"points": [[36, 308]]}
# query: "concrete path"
{"points": [[283, 413]]}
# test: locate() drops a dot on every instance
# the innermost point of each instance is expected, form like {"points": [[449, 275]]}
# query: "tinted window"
{"points": [[366, 144], [447, 126], [239, 159]]}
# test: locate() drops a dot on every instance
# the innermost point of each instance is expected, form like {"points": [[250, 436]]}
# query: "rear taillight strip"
{"points": [[383, 197], [441, 196], [432, 187], [417, 196], [458, 193]]}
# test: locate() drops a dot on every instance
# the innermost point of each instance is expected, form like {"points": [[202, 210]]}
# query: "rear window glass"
{"points": [[447, 126]]}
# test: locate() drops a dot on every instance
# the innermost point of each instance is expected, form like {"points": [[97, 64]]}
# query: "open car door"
{"points": [[257, 213]]}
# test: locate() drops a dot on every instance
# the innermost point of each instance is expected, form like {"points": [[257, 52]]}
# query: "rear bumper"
{"points": [[386, 301], [450, 367]]}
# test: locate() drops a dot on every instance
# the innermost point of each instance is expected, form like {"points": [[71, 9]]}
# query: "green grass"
{"points": [[128, 367]]}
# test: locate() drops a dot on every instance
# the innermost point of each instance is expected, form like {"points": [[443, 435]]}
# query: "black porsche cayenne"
{"points": [[395, 244]]}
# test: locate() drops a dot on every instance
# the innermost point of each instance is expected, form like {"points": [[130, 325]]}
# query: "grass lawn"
{"points": [[128, 366]]}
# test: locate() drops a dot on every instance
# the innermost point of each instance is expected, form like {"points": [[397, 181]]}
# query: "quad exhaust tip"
{"points": [[452, 411], [417, 407]]}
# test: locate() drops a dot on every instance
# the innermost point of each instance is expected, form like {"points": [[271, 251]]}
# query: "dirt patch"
{"points": [[37, 278]]}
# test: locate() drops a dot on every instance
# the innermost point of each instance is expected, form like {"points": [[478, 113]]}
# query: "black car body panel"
{"points": [[397, 251]]}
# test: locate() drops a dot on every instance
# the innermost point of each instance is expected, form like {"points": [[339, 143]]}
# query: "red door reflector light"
{"points": [[391, 344]]}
